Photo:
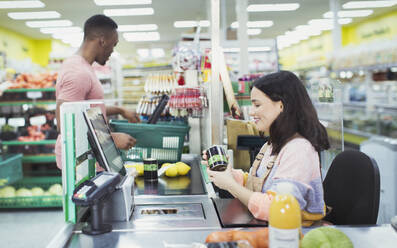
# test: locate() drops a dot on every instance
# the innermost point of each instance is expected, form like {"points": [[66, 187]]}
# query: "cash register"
{"points": [[118, 206]]}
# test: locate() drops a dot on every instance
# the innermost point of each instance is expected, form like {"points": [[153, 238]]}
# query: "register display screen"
{"points": [[102, 135]]}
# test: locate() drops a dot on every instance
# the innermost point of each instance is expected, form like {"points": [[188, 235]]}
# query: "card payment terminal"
{"points": [[92, 193]]}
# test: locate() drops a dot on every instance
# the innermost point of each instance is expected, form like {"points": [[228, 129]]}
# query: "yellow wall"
{"points": [[19, 47], [314, 51]]}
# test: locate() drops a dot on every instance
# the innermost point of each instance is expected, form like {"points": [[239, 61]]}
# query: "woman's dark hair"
{"points": [[298, 115], [98, 25]]}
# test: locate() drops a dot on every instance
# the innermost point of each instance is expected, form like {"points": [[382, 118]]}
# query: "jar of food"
{"points": [[217, 160], [150, 168]]}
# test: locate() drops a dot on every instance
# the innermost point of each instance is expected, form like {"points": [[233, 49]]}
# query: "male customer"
{"points": [[77, 80]]}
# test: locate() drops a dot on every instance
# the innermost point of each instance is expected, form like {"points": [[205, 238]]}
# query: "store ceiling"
{"points": [[168, 11]]}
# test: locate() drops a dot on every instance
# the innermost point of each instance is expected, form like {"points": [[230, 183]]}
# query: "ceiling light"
{"points": [[254, 31], [272, 7], [68, 36], [256, 24], [60, 30], [46, 24], [21, 4], [341, 21], [141, 36], [368, 4], [140, 27], [34, 15], [204, 23], [191, 24], [129, 12], [157, 52], [121, 2], [349, 13], [259, 49], [143, 52]]}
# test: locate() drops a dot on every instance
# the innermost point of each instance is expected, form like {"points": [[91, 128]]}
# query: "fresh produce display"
{"points": [[8, 132], [10, 191], [34, 134], [326, 237], [258, 238], [34, 81]]}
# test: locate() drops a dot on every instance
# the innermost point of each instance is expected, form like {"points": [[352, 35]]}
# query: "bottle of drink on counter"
{"points": [[284, 218]]}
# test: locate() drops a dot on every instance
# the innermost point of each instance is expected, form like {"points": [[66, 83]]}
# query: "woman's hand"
{"points": [[222, 179]]}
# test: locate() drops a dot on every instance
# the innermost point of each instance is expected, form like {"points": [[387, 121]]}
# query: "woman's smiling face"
{"points": [[264, 110]]}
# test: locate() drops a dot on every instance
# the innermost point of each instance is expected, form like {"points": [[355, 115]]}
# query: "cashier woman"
{"points": [[282, 109], [77, 80]]}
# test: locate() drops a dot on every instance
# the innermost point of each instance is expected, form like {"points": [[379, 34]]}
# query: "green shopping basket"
{"points": [[163, 142]]}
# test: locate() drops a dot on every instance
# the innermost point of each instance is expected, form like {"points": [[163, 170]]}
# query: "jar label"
{"points": [[283, 237], [150, 167], [217, 158]]}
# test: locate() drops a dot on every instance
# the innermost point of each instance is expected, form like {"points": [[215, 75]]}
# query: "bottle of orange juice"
{"points": [[284, 218]]}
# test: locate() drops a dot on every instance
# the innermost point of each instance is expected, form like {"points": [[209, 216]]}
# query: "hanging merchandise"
{"points": [[187, 101], [160, 83]]}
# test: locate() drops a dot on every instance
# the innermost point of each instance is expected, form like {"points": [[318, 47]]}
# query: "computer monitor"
{"points": [[102, 143]]}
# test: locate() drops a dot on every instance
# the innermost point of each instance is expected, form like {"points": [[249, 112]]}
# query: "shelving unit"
{"points": [[131, 88], [40, 161]]}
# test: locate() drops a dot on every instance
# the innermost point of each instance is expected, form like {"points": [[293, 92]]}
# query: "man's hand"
{"points": [[130, 115], [123, 141]]}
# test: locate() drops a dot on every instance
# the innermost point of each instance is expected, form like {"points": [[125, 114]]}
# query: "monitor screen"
{"points": [[106, 148]]}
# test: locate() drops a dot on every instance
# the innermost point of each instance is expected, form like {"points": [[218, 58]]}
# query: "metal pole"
{"points": [[336, 31], [216, 90], [242, 18]]}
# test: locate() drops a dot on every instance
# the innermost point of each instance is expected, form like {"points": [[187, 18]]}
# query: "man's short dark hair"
{"points": [[98, 25]]}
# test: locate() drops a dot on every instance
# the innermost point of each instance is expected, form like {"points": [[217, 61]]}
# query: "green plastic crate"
{"points": [[33, 201], [10, 168], [161, 141]]}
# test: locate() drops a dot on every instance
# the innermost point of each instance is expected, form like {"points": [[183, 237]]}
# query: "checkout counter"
{"points": [[174, 212]]}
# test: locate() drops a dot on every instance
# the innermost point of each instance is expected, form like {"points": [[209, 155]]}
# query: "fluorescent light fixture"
{"points": [[342, 21], [143, 52], [141, 36], [250, 49], [368, 4], [34, 15], [272, 7], [231, 50], [62, 30], [204, 23], [121, 2], [68, 36], [21, 4], [47, 24], [349, 13], [191, 24], [254, 31], [259, 49], [157, 52], [255, 24], [129, 12], [140, 27]]}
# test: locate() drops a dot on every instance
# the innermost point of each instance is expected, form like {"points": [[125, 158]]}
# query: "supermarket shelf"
{"points": [[18, 143], [31, 90], [362, 105], [369, 67], [19, 103], [350, 135], [44, 158]]}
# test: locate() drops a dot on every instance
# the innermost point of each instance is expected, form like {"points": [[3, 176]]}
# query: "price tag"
{"points": [[38, 120], [16, 122], [51, 107], [34, 94], [55, 121]]}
